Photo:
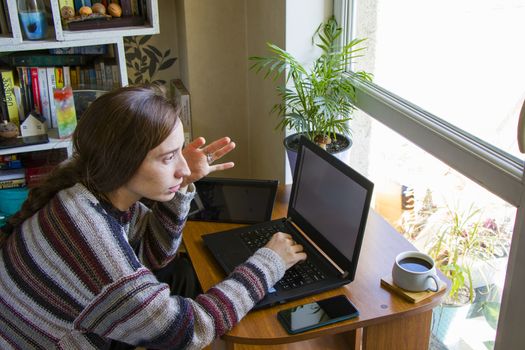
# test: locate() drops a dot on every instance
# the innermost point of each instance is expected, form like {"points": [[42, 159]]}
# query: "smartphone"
{"points": [[313, 315]]}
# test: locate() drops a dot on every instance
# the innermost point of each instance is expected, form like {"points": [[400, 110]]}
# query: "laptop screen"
{"points": [[330, 202]]}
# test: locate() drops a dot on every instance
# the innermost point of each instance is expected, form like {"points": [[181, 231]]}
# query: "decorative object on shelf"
{"points": [[144, 60], [8, 129], [32, 14], [114, 10], [66, 113], [321, 101], [34, 124], [85, 11], [67, 12], [99, 7]]}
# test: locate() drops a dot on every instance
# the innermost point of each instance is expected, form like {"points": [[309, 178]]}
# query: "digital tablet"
{"points": [[244, 201]]}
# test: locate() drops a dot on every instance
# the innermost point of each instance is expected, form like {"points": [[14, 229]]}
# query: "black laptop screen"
{"points": [[331, 201], [233, 200]]}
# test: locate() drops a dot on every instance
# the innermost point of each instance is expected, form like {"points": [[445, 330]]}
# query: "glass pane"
{"points": [[459, 60], [466, 229]]}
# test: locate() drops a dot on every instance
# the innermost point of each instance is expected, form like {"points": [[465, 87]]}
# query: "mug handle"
{"points": [[435, 281]]}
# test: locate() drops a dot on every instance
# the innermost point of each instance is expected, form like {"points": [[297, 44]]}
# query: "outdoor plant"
{"points": [[145, 59], [463, 240], [316, 101]]}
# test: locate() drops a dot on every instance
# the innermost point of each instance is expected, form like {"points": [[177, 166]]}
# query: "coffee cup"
{"points": [[415, 271]]}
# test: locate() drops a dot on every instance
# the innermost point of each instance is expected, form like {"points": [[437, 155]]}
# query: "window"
{"points": [[449, 77]]}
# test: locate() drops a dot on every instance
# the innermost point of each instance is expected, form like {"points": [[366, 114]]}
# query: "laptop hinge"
{"points": [[343, 273]]}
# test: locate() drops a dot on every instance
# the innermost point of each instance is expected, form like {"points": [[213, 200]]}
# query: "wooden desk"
{"points": [[386, 321]]}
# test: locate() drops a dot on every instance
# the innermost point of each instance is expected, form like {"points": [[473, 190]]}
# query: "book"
{"points": [[3, 105], [12, 174], [59, 77], [19, 101], [29, 89], [41, 60], [44, 95], [15, 183], [51, 85], [180, 94], [74, 78], [35, 90], [67, 75], [8, 82], [126, 8]]}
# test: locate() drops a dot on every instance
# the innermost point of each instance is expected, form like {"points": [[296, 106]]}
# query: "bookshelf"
{"points": [[60, 37], [54, 143], [12, 41]]}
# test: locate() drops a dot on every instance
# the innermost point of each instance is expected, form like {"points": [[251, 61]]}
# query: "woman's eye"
{"points": [[170, 157]]}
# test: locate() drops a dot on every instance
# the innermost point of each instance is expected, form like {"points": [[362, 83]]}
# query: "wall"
{"points": [[215, 39], [212, 41]]}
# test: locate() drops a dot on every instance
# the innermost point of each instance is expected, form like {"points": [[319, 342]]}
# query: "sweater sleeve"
{"points": [[156, 232], [138, 310]]}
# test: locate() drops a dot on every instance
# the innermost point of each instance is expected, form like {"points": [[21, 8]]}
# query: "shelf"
{"points": [[54, 143]]}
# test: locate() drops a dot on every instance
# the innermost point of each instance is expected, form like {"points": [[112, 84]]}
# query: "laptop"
{"points": [[327, 214], [245, 201]]}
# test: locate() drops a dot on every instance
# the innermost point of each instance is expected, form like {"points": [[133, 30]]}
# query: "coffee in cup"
{"points": [[415, 271]]}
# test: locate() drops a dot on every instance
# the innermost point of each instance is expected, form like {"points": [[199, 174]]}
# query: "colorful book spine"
{"points": [[8, 83], [15, 183], [51, 85], [35, 89], [44, 95], [59, 77]]}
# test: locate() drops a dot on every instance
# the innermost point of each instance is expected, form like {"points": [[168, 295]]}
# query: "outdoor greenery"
{"points": [[459, 241], [320, 100]]}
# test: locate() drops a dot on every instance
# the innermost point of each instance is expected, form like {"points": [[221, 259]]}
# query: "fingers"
{"points": [[222, 166]]}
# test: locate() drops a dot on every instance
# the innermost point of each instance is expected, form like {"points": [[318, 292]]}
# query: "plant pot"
{"points": [[340, 148]]}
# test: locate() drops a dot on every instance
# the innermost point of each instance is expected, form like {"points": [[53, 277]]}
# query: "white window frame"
{"points": [[495, 170]]}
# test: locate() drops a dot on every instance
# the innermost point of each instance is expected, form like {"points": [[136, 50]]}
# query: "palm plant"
{"points": [[320, 101]]}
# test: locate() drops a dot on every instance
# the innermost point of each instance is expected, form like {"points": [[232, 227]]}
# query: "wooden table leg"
{"points": [[404, 333]]}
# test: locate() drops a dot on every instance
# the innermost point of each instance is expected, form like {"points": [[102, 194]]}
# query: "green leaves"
{"points": [[320, 100]]}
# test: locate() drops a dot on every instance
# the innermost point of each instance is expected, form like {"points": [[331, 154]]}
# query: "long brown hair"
{"points": [[111, 140]]}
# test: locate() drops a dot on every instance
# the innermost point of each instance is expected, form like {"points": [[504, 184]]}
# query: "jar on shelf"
{"points": [[33, 22]]}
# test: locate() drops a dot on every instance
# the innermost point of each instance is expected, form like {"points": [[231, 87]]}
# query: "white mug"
{"points": [[415, 271]]}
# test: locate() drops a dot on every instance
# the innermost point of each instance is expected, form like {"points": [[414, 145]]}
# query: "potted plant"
{"points": [[317, 102]]}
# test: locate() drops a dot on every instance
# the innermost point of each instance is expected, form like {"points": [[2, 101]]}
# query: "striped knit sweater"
{"points": [[74, 277]]}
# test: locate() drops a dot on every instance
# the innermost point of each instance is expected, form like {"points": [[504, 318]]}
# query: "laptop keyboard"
{"points": [[302, 273]]}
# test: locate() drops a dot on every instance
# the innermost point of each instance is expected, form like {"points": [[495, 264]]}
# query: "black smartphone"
{"points": [[309, 316]]}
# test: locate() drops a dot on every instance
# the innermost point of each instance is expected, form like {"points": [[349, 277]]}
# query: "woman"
{"points": [[77, 262]]}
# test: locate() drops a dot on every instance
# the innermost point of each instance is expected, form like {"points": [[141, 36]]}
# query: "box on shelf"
{"points": [[180, 94]]}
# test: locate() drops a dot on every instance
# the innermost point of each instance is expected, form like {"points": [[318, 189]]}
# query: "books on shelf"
{"points": [[44, 60]]}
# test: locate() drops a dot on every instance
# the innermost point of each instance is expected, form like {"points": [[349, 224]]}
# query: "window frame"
{"points": [[493, 169]]}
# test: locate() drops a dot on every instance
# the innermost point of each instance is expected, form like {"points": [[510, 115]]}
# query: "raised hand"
{"points": [[200, 157]]}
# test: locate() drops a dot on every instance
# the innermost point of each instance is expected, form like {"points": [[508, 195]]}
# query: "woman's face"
{"points": [[159, 176]]}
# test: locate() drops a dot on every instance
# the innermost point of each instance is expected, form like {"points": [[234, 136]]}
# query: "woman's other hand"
{"points": [[286, 248], [200, 157]]}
